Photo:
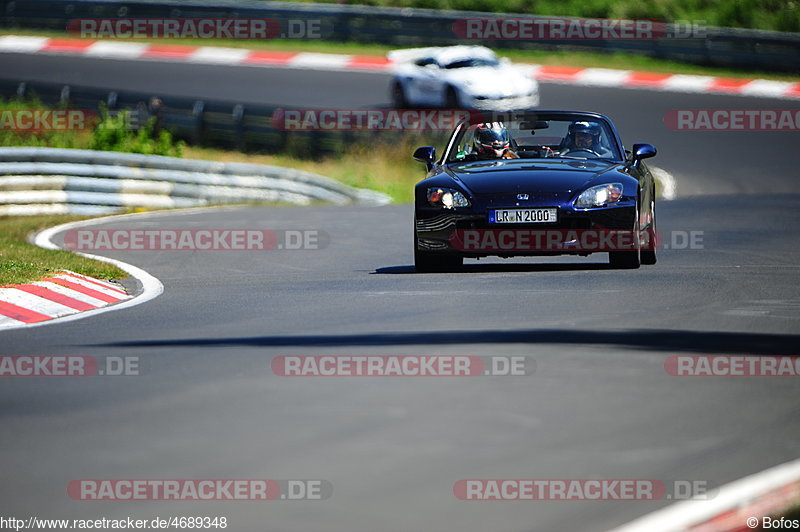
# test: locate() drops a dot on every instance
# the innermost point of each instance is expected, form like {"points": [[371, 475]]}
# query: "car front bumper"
{"points": [[575, 233]]}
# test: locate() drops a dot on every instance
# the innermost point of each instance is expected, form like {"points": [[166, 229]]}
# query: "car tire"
{"points": [[451, 98], [427, 262], [628, 260], [649, 255], [624, 260], [399, 100]]}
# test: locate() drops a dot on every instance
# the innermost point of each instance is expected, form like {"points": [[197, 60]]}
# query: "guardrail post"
{"points": [[63, 99], [197, 113], [238, 126], [708, 56], [155, 109]]}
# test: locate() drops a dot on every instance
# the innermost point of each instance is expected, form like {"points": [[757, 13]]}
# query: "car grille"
{"points": [[563, 223]]}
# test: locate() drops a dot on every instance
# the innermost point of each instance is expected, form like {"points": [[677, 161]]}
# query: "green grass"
{"points": [[75, 138], [382, 166], [21, 261], [561, 58], [99, 132]]}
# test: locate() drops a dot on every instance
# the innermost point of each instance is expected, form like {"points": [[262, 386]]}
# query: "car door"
{"points": [[427, 82]]}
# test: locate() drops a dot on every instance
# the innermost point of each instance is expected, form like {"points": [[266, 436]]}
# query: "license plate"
{"points": [[523, 216]]}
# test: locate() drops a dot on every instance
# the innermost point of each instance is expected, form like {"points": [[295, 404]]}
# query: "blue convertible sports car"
{"points": [[534, 184]]}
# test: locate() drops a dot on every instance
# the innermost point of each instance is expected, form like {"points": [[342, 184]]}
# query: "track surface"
{"points": [[599, 405]]}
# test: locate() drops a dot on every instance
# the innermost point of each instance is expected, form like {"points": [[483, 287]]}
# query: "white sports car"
{"points": [[460, 77]]}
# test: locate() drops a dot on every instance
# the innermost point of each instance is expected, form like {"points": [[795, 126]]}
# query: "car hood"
{"points": [[490, 81], [546, 180]]}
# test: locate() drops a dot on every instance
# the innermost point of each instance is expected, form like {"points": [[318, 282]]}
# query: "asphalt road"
{"points": [[599, 404]]}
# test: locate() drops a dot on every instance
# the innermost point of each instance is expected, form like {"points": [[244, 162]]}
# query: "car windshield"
{"points": [[562, 138], [472, 62]]}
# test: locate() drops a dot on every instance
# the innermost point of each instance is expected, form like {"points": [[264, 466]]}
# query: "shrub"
{"points": [[115, 133]]}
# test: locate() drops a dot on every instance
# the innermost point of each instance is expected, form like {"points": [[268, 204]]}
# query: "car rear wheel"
{"points": [[649, 255], [399, 96]]}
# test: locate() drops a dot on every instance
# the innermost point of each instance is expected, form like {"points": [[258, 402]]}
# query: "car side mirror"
{"points": [[642, 151], [425, 154]]}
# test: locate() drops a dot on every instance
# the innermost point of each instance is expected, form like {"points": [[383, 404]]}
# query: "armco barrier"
{"points": [[406, 27], [50, 180], [216, 123]]}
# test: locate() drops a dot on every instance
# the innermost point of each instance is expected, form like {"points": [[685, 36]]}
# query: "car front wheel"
{"points": [[451, 99], [427, 262], [628, 260], [625, 260], [399, 96], [649, 255]]}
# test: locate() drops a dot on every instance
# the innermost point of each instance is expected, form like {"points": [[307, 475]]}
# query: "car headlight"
{"points": [[599, 196], [447, 198]]}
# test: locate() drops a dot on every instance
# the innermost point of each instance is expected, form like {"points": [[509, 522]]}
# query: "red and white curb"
{"points": [[735, 508], [603, 77], [597, 77], [191, 54], [69, 296], [53, 297]]}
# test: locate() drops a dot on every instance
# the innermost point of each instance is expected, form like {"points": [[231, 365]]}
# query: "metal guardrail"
{"points": [[406, 27], [213, 123], [54, 181], [51, 180]]}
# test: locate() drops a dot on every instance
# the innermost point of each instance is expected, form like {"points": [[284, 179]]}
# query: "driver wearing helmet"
{"points": [[492, 141], [584, 138]]}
